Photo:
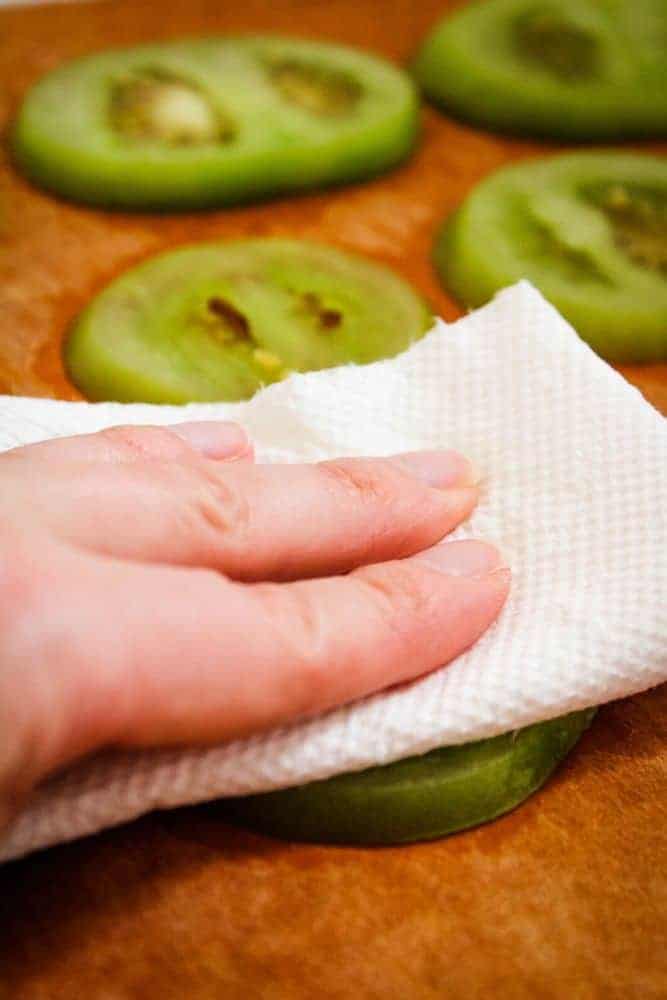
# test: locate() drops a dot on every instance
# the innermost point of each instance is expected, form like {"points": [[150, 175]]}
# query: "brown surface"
{"points": [[566, 897]]}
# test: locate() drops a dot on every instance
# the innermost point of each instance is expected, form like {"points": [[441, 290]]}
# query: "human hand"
{"points": [[157, 587]]}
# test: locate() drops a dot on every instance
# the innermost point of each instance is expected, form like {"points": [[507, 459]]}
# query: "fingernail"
{"points": [[464, 558], [437, 468], [214, 438]]}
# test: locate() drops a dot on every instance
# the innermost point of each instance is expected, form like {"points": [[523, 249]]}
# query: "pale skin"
{"points": [[159, 587]]}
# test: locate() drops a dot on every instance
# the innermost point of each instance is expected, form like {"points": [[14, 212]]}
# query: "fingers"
{"points": [[219, 440], [180, 656], [112, 489], [168, 495], [146, 493], [289, 522], [261, 522]]}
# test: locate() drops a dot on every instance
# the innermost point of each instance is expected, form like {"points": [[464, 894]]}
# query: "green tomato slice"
{"points": [[571, 69], [588, 229], [419, 798], [219, 320], [213, 121]]}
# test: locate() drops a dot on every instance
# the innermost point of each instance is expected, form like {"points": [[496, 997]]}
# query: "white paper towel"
{"points": [[575, 469]]}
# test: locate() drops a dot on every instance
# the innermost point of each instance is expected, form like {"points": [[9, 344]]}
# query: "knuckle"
{"points": [[300, 632], [364, 481], [223, 510], [394, 513], [397, 594], [132, 443]]}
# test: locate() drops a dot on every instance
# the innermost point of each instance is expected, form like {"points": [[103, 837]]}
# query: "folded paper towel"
{"points": [[574, 463]]}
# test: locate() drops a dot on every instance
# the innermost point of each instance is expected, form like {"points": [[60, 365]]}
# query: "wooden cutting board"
{"points": [[567, 897]]}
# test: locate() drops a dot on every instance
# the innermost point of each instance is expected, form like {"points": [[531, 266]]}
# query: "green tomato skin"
{"points": [[469, 67], [485, 246], [80, 158], [420, 798], [149, 336]]}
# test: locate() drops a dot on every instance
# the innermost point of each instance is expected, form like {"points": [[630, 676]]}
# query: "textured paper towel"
{"points": [[575, 470]]}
